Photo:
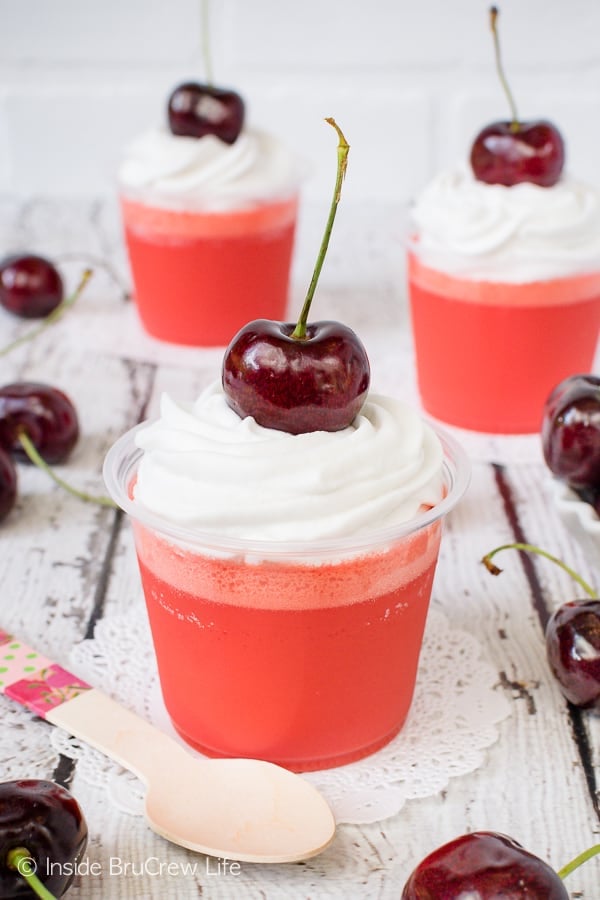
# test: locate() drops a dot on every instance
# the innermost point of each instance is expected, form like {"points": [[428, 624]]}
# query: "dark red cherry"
{"points": [[573, 649], [483, 865], [299, 377], [30, 286], [195, 110], [316, 384], [572, 634], [509, 153], [8, 484], [571, 432], [45, 413], [513, 152], [45, 820]]}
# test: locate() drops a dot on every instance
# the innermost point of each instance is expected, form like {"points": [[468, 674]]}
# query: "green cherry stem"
{"points": [[494, 12], [21, 860], [578, 861], [36, 459], [52, 317], [531, 548], [299, 331]]}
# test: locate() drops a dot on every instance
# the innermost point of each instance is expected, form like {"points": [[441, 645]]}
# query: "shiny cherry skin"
{"points": [[45, 413], [315, 384], [195, 110], [573, 650], [571, 432], [30, 286], [483, 865], [8, 484], [531, 152], [46, 820]]}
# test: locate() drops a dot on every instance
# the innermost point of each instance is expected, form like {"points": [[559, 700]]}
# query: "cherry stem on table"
{"points": [[21, 860], [96, 262], [578, 861], [500, 69], [37, 460], [343, 149], [531, 548], [52, 317]]}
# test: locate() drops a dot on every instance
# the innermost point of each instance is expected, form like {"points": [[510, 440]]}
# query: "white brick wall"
{"points": [[410, 82]]}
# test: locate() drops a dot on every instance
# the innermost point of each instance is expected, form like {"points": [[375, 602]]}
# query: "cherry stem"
{"points": [[578, 861], [37, 460], [514, 126], [21, 860], [52, 317], [531, 548], [97, 263], [208, 68], [299, 331]]}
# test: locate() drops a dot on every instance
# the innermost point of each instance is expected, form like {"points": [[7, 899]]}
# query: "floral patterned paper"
{"points": [[32, 679]]}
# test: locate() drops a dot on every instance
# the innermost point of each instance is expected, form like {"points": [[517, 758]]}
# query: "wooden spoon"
{"points": [[239, 809]]}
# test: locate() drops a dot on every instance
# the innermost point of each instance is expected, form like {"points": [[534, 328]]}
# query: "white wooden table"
{"points": [[64, 565]]}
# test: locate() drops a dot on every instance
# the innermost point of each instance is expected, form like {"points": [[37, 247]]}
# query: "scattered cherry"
{"points": [[572, 636], [486, 865], [30, 286], [571, 433], [511, 152], [195, 110], [42, 822], [52, 316], [299, 378], [39, 424], [573, 650], [8, 484], [44, 413]]}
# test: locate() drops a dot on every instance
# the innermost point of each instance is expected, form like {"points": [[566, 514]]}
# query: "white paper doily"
{"points": [[453, 719]]}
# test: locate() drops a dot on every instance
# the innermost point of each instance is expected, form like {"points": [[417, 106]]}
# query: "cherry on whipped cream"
{"points": [[304, 377], [511, 152], [196, 110]]}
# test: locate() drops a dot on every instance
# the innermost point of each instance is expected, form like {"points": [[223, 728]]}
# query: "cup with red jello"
{"points": [[504, 276], [504, 288], [209, 216], [287, 526], [287, 577]]}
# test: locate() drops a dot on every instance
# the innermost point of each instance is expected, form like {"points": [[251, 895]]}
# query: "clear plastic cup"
{"points": [[488, 353], [301, 654], [199, 276]]}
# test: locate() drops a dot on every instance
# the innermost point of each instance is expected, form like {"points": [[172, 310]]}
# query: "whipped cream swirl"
{"points": [[521, 233], [205, 173], [207, 469]]}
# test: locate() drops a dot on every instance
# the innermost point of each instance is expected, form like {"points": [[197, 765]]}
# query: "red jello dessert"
{"points": [[287, 577], [209, 228], [504, 287]]}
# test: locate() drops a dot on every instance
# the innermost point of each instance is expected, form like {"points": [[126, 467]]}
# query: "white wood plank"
{"points": [[54, 549]]}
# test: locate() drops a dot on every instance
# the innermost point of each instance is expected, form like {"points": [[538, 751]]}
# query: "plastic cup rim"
{"points": [[120, 466]]}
